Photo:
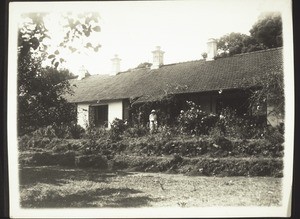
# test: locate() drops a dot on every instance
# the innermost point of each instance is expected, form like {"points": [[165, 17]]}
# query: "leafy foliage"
{"points": [[268, 30], [236, 43], [136, 131], [271, 92], [77, 28], [265, 33], [41, 89], [118, 126], [241, 127], [40, 100], [195, 120]]}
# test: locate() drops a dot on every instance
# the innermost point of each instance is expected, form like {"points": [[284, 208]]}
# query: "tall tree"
{"points": [[236, 43], [265, 33], [40, 88], [268, 30]]}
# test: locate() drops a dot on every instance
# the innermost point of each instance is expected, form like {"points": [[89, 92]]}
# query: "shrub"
{"points": [[34, 142], [67, 131], [48, 131], [95, 161], [257, 147], [200, 166], [195, 120], [232, 125], [225, 144], [237, 167], [76, 131], [23, 142], [47, 158], [118, 126], [136, 131], [274, 135]]}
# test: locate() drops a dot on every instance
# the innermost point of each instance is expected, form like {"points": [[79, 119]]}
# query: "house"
{"points": [[211, 83]]}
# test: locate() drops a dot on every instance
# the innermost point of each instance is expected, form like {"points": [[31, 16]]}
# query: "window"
{"points": [[101, 116]]}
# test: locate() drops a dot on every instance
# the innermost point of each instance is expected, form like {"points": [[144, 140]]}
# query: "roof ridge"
{"points": [[175, 63], [240, 54], [258, 51]]}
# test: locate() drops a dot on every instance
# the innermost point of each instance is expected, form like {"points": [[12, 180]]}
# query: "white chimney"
{"points": [[82, 73], [158, 58], [211, 49], [115, 65]]}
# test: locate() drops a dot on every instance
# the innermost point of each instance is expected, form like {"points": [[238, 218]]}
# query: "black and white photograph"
{"points": [[150, 109]]}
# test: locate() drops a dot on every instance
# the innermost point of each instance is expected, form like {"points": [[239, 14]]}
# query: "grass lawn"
{"points": [[66, 187]]}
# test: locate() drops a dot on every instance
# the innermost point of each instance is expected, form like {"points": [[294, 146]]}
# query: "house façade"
{"points": [[211, 83]]}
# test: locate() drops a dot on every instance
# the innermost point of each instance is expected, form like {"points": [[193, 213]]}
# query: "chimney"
{"points": [[115, 65], [211, 49], [158, 58], [82, 73]]}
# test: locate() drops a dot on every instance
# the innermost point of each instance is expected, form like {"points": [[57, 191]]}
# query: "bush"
{"points": [[257, 147], [274, 135], [136, 131], [96, 133], [48, 131], [67, 131], [200, 166], [76, 131], [195, 120], [225, 144], [242, 127], [238, 167], [94, 161], [118, 126], [48, 159]]}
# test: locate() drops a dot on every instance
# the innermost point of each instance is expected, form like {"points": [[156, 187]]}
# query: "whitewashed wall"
{"points": [[83, 115], [115, 110]]}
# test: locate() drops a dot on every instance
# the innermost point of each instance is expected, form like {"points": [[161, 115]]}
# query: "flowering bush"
{"points": [[195, 120], [232, 125], [118, 126]]}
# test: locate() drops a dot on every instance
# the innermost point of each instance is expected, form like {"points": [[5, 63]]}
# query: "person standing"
{"points": [[153, 121]]}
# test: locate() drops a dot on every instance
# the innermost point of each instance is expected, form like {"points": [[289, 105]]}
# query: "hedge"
{"points": [[170, 164], [47, 158], [157, 146], [194, 147], [95, 161], [202, 166]]}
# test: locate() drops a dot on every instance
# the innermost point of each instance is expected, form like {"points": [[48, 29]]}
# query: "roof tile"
{"points": [[186, 77]]}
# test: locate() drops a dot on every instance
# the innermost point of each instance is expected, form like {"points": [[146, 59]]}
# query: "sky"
{"points": [[133, 29]]}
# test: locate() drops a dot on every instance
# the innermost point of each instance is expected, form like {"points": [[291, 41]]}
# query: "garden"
{"points": [[220, 150], [200, 144]]}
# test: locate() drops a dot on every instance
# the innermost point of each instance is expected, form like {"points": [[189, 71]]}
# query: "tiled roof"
{"points": [[187, 77]]}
